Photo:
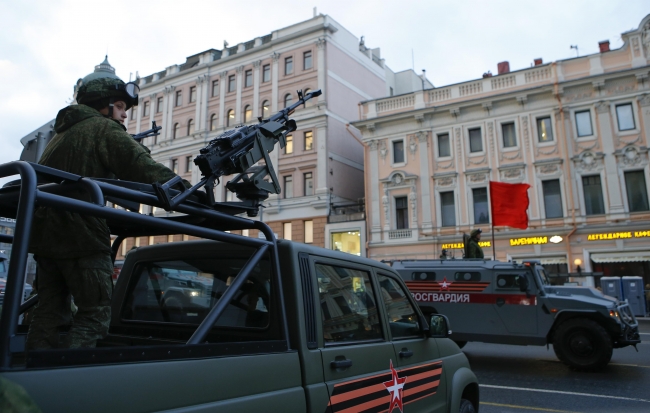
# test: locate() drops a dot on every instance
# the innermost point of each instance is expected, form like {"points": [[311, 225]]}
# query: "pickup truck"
{"points": [[231, 323]]}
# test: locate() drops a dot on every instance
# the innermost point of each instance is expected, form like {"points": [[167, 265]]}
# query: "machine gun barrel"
{"points": [[154, 131]]}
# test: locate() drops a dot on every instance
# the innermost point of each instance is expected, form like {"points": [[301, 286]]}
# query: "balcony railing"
{"points": [[400, 234]]}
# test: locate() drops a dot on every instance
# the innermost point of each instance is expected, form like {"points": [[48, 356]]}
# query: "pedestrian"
{"points": [[74, 250], [474, 250]]}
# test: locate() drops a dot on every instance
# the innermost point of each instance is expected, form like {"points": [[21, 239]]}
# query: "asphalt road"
{"points": [[529, 379]]}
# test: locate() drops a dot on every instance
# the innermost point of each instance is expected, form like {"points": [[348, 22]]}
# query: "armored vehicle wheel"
{"points": [[460, 344], [582, 344], [466, 407]]}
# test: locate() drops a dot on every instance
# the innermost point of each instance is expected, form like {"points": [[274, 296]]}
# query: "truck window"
{"points": [[423, 276], [2, 266], [184, 291], [508, 282], [402, 318], [467, 276], [543, 275], [347, 305]]}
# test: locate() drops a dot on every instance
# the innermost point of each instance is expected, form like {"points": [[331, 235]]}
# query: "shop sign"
{"points": [[516, 242], [460, 245], [618, 235], [3, 219], [555, 239]]}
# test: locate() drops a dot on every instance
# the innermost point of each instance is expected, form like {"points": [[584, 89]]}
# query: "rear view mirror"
{"points": [[439, 326], [523, 283]]}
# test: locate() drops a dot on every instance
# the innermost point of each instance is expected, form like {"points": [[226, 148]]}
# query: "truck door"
{"points": [[418, 361], [516, 309], [356, 351]]}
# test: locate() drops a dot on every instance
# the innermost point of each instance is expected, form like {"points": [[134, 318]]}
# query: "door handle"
{"points": [[406, 353], [340, 364], [500, 301]]}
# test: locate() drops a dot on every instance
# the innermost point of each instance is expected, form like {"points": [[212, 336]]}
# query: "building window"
{"points": [[444, 148], [625, 117], [175, 165], [544, 130], [309, 140], [637, 194], [230, 119], [133, 112], [266, 110], [231, 83], [179, 98], [188, 164], [306, 60], [475, 140], [286, 229], [288, 149], [215, 88], [309, 232], [159, 105], [190, 127], [248, 78], [176, 129], [248, 113], [348, 241], [192, 94], [145, 109], [288, 65], [583, 123], [509, 135], [593, 192], [213, 122], [398, 151], [288, 186], [287, 100], [481, 209], [447, 209], [552, 198], [309, 184], [401, 213], [266, 73]]}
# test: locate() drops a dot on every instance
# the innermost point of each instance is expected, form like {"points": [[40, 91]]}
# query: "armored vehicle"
{"points": [[514, 303]]}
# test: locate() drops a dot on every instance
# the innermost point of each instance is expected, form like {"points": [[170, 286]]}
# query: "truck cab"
{"points": [[514, 303]]}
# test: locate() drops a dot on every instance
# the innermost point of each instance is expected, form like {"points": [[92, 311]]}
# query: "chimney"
{"points": [[604, 46], [503, 67], [538, 61]]}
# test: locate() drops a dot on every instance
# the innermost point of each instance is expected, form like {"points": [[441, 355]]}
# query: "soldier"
{"points": [[474, 250], [73, 250]]}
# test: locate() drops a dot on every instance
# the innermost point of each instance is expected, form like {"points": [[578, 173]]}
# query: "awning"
{"points": [[630, 256]]}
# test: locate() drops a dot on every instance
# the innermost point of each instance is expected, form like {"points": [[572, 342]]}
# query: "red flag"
{"points": [[509, 203]]}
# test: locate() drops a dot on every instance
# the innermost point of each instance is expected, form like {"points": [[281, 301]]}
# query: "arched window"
{"points": [[248, 114], [287, 100], [230, 119], [213, 122], [266, 109], [176, 128], [190, 127]]}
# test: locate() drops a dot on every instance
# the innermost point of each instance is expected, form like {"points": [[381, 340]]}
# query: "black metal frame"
{"points": [[198, 220]]}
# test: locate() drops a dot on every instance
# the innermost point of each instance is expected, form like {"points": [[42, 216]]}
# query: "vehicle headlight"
{"points": [[613, 313], [194, 293]]}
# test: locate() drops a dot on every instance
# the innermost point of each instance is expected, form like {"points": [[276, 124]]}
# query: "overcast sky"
{"points": [[46, 45]]}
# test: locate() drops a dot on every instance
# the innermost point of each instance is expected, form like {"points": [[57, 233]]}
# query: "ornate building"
{"points": [[576, 130]]}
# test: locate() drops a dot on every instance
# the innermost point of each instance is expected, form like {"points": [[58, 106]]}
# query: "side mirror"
{"points": [[439, 326], [523, 283]]}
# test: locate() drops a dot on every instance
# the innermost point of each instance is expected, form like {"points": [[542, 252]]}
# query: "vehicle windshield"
{"points": [[2, 266], [543, 275]]}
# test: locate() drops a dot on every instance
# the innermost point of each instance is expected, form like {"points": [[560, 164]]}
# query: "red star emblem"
{"points": [[444, 285], [396, 389]]}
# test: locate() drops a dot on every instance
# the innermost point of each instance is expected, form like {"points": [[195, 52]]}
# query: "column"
{"points": [[375, 225], [152, 113], [207, 88], [256, 88], [238, 108], [425, 182], [138, 116], [223, 78], [168, 110], [611, 170], [274, 82], [320, 43], [322, 156], [644, 101], [200, 108]]}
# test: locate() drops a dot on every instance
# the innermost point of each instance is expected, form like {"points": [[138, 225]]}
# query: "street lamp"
{"points": [[577, 263]]}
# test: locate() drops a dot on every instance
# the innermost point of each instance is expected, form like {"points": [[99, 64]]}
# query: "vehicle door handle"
{"points": [[340, 364], [406, 353], [500, 301]]}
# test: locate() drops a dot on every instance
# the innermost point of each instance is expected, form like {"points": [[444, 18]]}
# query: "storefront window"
{"points": [[347, 241]]}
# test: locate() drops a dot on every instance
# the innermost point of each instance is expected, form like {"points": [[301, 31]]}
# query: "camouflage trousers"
{"points": [[14, 399], [88, 279]]}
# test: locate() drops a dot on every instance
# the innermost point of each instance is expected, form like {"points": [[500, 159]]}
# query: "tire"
{"points": [[460, 344], [466, 406], [582, 344]]}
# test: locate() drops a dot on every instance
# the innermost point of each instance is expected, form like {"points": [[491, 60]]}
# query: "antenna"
{"points": [[575, 46]]}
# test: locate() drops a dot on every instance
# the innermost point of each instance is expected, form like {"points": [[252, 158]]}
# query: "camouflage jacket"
{"points": [[475, 250], [88, 144]]}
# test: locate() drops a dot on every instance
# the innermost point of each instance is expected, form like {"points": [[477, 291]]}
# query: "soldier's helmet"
{"points": [[107, 88]]}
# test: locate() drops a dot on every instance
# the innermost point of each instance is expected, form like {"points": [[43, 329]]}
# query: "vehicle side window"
{"points": [[508, 282], [402, 317], [184, 291], [467, 276], [423, 276], [347, 304]]}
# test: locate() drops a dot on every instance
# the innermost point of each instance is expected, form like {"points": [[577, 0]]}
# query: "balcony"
{"points": [[400, 234]]}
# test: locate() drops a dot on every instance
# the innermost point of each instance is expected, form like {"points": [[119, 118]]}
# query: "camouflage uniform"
{"points": [[73, 250], [474, 250], [14, 399]]}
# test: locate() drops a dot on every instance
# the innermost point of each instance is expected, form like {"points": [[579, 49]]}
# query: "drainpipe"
{"points": [[365, 183], [567, 167]]}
